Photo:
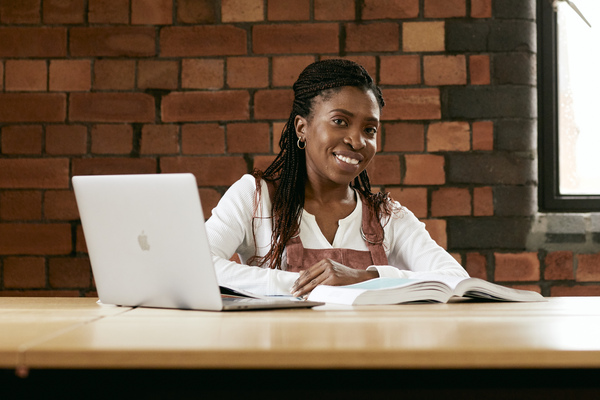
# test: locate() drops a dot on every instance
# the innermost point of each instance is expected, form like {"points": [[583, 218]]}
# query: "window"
{"points": [[569, 90]]}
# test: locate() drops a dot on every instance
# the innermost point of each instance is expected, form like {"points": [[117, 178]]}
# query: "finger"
{"points": [[309, 274], [308, 286]]}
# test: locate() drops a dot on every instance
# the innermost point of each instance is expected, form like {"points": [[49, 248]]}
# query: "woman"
{"points": [[310, 218]]}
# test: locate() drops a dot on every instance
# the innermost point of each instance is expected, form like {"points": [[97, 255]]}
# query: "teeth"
{"points": [[347, 159]]}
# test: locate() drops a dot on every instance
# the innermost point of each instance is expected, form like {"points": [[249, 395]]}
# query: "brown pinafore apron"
{"points": [[300, 258]]}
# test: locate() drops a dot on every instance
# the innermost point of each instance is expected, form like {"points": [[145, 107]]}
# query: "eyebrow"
{"points": [[350, 114]]}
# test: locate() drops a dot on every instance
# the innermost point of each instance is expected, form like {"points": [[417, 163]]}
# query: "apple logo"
{"points": [[143, 241]]}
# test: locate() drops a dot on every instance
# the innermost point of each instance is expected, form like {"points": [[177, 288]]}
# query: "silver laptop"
{"points": [[148, 246]]}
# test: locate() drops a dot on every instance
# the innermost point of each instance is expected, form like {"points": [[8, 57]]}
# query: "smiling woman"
{"points": [[311, 218]]}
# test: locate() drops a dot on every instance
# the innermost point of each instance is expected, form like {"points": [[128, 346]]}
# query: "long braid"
{"points": [[288, 171]]}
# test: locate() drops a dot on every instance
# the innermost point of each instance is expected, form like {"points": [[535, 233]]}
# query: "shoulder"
{"points": [[244, 187]]}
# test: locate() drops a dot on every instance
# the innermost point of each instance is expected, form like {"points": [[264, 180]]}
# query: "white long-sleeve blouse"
{"points": [[409, 248]]}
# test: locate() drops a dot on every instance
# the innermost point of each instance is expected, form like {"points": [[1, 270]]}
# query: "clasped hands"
{"points": [[329, 272]]}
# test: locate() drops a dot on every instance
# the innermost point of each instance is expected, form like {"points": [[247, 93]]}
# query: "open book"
{"points": [[429, 288]]}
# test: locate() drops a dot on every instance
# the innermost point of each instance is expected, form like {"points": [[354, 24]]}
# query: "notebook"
{"points": [[148, 246]]}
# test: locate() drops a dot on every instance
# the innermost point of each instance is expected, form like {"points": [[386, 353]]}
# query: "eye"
{"points": [[371, 131], [340, 122]]}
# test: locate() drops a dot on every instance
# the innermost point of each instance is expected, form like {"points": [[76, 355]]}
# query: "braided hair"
{"points": [[287, 173]]}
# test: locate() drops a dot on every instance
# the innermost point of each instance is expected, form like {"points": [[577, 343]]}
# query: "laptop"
{"points": [[148, 245]]}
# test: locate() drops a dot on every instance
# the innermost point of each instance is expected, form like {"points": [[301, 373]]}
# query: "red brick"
{"points": [[196, 11], [415, 199], [334, 10], [262, 162], [287, 69], [114, 74], [60, 205], [24, 205], [423, 36], [22, 139], [251, 137], [248, 72], [400, 70], [390, 9], [588, 268], [377, 36], [242, 10], [35, 239], [113, 41], [41, 293], [26, 75], [20, 12], [110, 166], [295, 38], [516, 267], [424, 169], [80, 245], [476, 265], [66, 139], [559, 266], [209, 199], [112, 139], [479, 66], [384, 170], [24, 272], [209, 171], [111, 107], [70, 75], [450, 201], [403, 136], [445, 8], [205, 40], [483, 135], [34, 173], [202, 139], [69, 272], [577, 290], [481, 8], [285, 10], [153, 74], [449, 136], [437, 231], [445, 70], [206, 106], [410, 104], [273, 104], [202, 74], [63, 11], [151, 12], [108, 11], [160, 139], [32, 42], [483, 201]]}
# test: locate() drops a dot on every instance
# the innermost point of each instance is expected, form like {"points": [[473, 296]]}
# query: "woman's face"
{"points": [[340, 135]]}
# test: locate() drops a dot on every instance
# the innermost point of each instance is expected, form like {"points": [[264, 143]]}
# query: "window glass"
{"points": [[578, 47]]}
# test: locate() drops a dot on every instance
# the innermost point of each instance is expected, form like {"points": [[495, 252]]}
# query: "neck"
{"points": [[328, 194]]}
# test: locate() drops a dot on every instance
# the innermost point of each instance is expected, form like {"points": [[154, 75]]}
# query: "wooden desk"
{"points": [[562, 334]]}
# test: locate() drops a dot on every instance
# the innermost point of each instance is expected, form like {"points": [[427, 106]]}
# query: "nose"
{"points": [[355, 139]]}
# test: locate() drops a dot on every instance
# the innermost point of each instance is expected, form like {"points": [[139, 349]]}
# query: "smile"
{"points": [[347, 160]]}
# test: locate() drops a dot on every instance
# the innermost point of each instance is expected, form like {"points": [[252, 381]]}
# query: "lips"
{"points": [[348, 159]]}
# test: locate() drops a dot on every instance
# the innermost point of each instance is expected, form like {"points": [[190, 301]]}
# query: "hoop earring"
{"points": [[298, 144]]}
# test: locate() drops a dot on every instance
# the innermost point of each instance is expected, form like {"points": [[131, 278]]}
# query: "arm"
{"points": [[229, 231], [412, 251]]}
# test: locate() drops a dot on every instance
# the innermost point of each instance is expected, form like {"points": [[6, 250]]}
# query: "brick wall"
{"points": [[147, 86]]}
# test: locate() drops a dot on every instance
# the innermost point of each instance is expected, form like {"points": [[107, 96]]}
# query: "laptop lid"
{"points": [[147, 242]]}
